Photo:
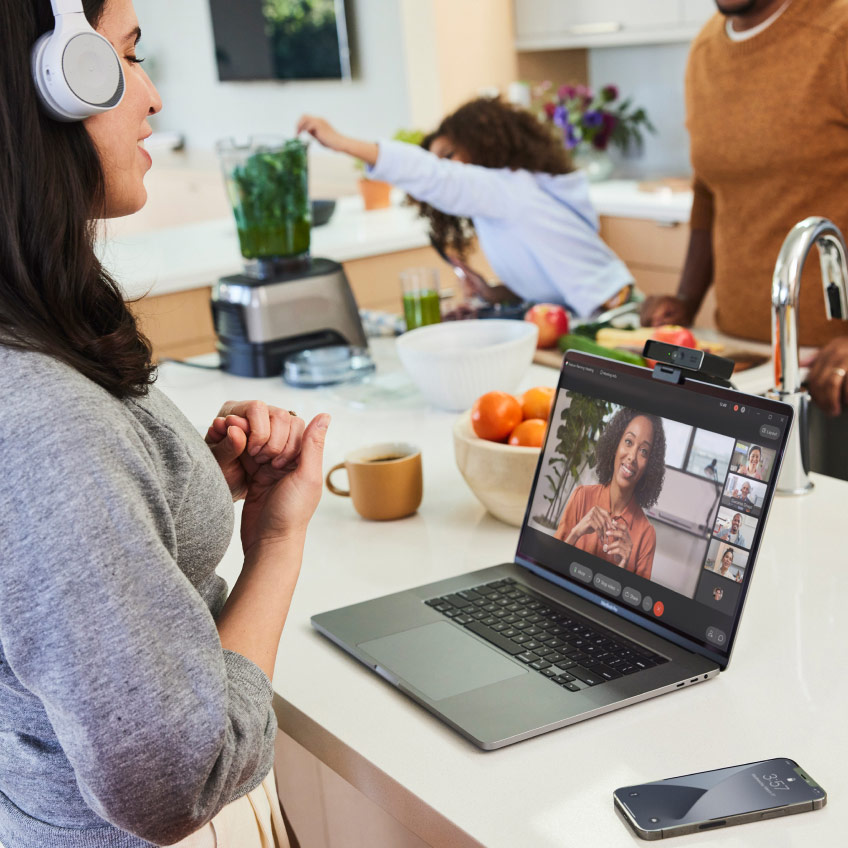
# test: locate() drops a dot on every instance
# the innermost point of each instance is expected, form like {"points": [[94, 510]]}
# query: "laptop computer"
{"points": [[634, 558]]}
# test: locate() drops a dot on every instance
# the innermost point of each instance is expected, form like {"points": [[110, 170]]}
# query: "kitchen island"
{"points": [[364, 765]]}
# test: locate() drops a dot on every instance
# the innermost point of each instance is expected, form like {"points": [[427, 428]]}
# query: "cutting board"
{"points": [[744, 359]]}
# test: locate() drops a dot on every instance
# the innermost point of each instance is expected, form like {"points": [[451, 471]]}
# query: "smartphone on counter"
{"points": [[720, 798]]}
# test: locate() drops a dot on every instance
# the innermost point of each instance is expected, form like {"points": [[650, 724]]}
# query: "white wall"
{"points": [[653, 76], [177, 39]]}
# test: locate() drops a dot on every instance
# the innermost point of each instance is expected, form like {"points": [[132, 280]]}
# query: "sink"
{"points": [[828, 443]]}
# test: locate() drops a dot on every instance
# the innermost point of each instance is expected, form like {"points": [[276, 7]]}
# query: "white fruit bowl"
{"points": [[500, 475], [454, 363]]}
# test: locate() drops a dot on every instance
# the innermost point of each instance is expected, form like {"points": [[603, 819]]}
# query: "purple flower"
{"points": [[571, 140], [560, 117], [593, 119], [609, 93]]}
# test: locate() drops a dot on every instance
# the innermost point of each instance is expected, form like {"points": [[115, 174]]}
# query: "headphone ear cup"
{"points": [[77, 74], [39, 76]]}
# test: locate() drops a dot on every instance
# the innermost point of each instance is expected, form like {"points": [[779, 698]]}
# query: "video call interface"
{"points": [[653, 496]]}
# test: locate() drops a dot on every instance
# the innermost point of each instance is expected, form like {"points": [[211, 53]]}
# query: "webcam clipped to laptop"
{"points": [[633, 561]]}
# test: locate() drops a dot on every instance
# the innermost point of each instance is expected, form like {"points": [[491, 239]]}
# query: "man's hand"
{"points": [[665, 309], [826, 380]]}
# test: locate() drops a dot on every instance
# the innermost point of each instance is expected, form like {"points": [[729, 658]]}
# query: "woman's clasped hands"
{"points": [[613, 533], [273, 460]]}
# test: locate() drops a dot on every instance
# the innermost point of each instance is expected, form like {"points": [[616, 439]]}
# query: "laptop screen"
{"points": [[650, 498]]}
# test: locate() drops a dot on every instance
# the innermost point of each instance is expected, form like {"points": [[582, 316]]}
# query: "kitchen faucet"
{"points": [[785, 291]]}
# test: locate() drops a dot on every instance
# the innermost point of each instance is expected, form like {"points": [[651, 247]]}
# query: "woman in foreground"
{"points": [[608, 520], [135, 696]]}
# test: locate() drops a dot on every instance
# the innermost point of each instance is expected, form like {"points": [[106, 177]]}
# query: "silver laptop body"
{"points": [[438, 644]]}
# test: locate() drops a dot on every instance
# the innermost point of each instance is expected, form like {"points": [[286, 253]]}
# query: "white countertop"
{"points": [[178, 258], [625, 199], [784, 694]]}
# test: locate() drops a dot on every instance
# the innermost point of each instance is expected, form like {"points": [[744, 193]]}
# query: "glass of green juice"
{"points": [[420, 288]]}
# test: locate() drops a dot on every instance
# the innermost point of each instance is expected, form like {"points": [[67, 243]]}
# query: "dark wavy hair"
{"points": [[493, 134], [55, 297], [649, 487]]}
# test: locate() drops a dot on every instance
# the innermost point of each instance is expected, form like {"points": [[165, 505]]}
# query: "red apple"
{"points": [[552, 321], [674, 334]]}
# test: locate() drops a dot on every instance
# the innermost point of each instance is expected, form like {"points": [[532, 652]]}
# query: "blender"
{"points": [[285, 301]]}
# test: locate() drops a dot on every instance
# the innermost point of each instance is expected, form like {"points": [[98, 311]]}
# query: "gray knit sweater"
{"points": [[122, 720]]}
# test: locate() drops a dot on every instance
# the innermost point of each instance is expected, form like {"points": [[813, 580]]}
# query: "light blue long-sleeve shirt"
{"points": [[538, 231]]}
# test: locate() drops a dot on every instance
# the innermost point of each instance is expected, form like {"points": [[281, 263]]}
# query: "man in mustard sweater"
{"points": [[767, 113]]}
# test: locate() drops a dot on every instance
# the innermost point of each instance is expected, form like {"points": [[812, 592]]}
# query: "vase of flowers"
{"points": [[591, 122]]}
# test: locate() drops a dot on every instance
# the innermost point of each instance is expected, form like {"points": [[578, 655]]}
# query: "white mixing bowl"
{"points": [[454, 363]]}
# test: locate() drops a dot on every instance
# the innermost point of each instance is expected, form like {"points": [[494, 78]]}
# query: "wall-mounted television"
{"points": [[280, 39]]}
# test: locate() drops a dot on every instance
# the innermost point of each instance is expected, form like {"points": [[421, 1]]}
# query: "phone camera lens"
{"points": [[654, 819]]}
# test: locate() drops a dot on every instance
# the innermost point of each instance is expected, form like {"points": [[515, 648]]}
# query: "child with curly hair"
{"points": [[493, 169]]}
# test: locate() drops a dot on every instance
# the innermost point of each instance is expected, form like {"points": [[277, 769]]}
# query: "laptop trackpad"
{"points": [[440, 660]]}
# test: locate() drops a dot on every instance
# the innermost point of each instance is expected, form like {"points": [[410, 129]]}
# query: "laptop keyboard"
{"points": [[569, 650]]}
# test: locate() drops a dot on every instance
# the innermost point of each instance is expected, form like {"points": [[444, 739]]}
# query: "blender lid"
{"points": [[327, 366]]}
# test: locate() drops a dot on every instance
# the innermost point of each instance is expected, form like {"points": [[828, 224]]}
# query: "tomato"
{"points": [[495, 415], [675, 335], [529, 433], [537, 402], [552, 321]]}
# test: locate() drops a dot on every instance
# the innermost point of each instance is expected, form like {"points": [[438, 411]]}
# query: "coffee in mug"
{"points": [[385, 480]]}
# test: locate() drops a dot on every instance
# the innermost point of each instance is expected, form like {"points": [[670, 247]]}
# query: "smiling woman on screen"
{"points": [[607, 519]]}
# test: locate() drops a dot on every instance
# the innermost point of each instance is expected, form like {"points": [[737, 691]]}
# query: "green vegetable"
{"points": [[269, 193], [574, 342], [589, 331]]}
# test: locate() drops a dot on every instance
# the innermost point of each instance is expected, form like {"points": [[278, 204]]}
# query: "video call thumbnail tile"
{"points": [[717, 592], [744, 495], [738, 528], [752, 460], [726, 560]]}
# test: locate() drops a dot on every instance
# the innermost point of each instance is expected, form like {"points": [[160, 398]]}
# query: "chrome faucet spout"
{"points": [[785, 293], [786, 289]]}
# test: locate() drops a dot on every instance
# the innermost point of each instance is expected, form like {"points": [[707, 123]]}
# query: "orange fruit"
{"points": [[495, 415], [529, 433], [537, 402]]}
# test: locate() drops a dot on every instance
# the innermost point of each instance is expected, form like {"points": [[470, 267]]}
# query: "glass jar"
{"points": [[267, 182]]}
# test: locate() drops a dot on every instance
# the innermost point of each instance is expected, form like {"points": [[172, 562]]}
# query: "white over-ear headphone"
{"points": [[76, 70]]}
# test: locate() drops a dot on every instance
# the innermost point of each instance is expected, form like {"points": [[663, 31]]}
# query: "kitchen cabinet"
{"points": [[178, 324], [554, 24], [655, 252]]}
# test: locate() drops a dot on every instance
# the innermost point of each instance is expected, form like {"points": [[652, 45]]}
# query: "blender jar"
{"points": [[267, 182]]}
